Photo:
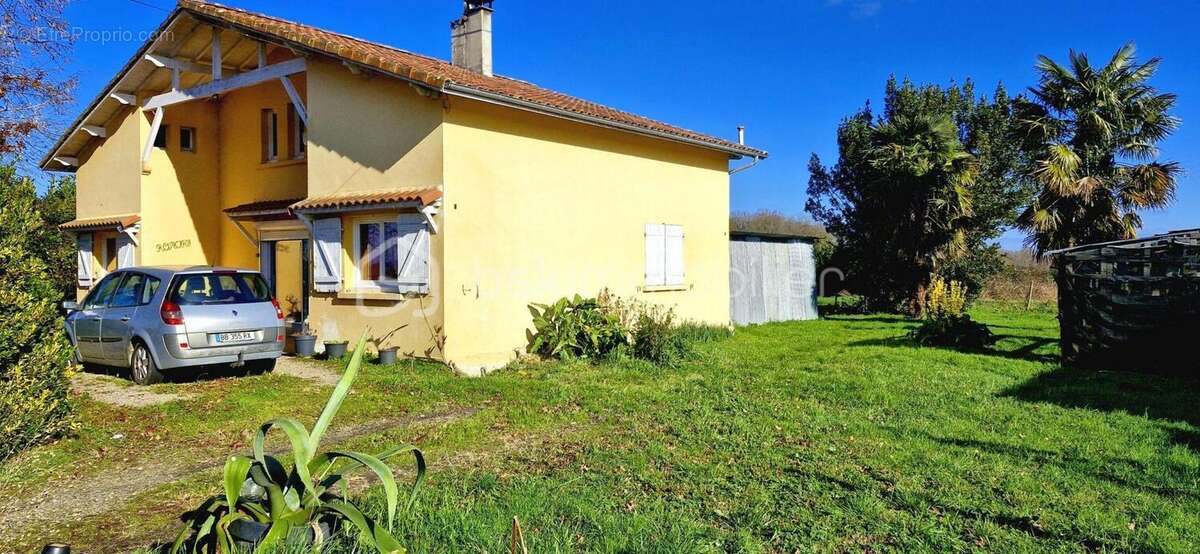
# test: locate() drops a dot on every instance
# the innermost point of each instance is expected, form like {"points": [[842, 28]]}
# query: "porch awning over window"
{"points": [[369, 200], [265, 210], [100, 223]]}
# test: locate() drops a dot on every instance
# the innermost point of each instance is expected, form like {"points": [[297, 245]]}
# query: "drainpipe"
{"points": [[742, 141]]}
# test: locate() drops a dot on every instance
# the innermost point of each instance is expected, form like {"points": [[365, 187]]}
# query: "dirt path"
{"points": [[76, 498], [120, 392], [307, 369]]}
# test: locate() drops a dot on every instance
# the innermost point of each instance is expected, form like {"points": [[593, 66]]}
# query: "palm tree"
{"points": [[930, 177], [1091, 135]]}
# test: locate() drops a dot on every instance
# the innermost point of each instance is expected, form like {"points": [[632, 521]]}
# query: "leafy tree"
{"points": [[34, 41], [57, 206], [1091, 135], [34, 354], [922, 189]]}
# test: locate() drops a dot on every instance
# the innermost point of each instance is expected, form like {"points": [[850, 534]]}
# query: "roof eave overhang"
{"points": [[108, 89], [455, 89]]}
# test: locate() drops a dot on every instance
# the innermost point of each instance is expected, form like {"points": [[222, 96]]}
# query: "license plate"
{"points": [[234, 338]]}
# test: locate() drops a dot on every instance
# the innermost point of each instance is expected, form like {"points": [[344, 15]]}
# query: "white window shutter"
{"points": [[124, 251], [266, 263], [413, 243], [327, 254], [673, 254], [655, 254], [83, 244]]}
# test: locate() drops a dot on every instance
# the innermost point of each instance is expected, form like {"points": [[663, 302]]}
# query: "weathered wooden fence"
{"points": [[771, 278], [1131, 304]]}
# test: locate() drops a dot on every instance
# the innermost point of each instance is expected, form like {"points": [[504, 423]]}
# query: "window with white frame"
{"points": [[391, 254], [664, 254]]}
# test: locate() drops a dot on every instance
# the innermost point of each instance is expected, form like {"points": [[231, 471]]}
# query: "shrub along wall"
{"points": [[34, 354]]}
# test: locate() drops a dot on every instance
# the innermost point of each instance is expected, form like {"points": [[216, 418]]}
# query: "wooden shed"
{"points": [[1131, 304], [772, 277]]}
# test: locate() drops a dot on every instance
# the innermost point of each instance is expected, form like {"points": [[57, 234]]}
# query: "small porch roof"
{"points": [[264, 210], [117, 222], [366, 200]]}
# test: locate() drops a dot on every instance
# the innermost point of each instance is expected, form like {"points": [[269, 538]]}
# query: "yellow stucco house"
{"points": [[381, 189]]}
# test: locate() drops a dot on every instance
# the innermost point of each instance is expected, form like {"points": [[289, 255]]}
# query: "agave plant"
{"points": [[265, 505]]}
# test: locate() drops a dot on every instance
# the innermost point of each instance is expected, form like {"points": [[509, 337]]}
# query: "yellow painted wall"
{"points": [[538, 208], [372, 134], [243, 175], [181, 212], [109, 175], [369, 133], [108, 180]]}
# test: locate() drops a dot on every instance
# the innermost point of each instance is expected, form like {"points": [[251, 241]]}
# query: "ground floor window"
{"points": [[376, 255], [664, 255]]}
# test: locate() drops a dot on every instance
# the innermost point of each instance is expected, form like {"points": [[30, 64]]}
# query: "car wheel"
{"points": [[142, 366], [259, 367]]}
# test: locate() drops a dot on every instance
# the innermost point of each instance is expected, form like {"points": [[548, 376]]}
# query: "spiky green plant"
{"points": [[259, 488]]}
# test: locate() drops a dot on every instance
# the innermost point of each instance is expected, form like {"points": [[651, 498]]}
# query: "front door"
{"points": [[285, 264], [87, 321]]}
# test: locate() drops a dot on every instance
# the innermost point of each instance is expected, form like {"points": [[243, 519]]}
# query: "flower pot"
{"points": [[335, 349], [387, 356], [247, 534], [306, 345]]}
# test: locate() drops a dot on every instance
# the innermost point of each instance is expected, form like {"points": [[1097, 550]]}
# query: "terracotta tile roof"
{"points": [[365, 199], [97, 223], [264, 210], [445, 76]]}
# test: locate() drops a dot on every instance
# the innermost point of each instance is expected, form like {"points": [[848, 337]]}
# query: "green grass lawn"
{"points": [[832, 435]]}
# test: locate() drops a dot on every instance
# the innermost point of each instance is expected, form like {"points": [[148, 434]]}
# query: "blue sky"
{"points": [[789, 71]]}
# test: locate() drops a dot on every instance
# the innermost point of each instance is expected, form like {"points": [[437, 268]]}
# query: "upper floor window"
{"points": [[297, 134], [187, 139], [270, 135]]}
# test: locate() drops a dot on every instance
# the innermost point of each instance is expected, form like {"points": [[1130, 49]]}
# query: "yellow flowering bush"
{"points": [[945, 299], [946, 322], [35, 366]]}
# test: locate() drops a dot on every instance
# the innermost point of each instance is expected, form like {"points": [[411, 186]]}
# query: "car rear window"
{"points": [[219, 288]]}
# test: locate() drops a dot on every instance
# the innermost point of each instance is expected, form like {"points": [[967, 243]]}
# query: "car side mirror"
{"points": [[70, 306]]}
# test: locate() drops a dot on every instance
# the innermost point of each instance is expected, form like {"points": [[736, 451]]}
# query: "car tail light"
{"points": [[278, 311], [171, 313]]}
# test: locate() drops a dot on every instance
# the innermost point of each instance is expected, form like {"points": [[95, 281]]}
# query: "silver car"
{"points": [[153, 319]]}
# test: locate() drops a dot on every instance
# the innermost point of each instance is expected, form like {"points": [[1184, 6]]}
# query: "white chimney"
{"points": [[742, 134], [471, 37]]}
